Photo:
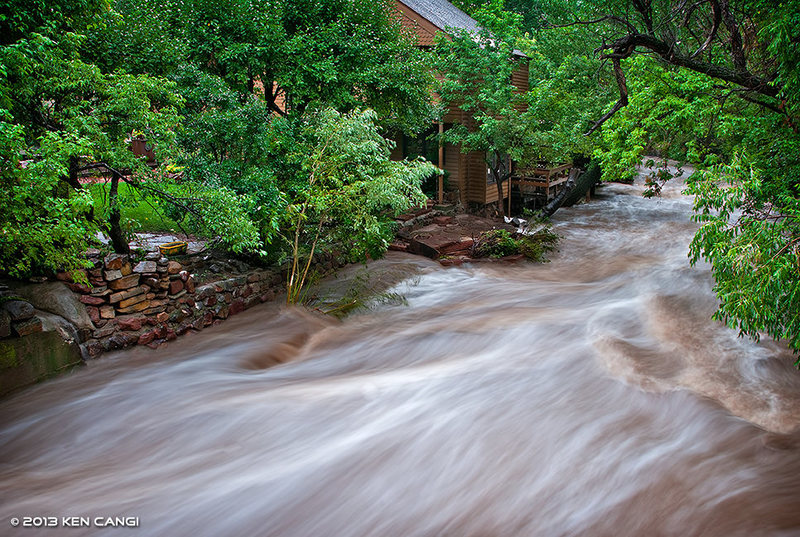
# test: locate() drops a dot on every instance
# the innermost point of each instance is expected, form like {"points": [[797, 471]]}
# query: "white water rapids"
{"points": [[589, 396]]}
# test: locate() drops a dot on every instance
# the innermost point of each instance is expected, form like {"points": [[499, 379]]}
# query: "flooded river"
{"points": [[589, 396]]}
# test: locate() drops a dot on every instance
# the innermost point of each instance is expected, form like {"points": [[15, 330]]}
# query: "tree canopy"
{"points": [[225, 92], [713, 83]]}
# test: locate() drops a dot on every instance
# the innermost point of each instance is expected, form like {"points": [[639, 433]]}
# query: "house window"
{"points": [[492, 160], [424, 145]]}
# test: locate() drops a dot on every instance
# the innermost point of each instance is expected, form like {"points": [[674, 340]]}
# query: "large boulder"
{"points": [[57, 298], [40, 355]]}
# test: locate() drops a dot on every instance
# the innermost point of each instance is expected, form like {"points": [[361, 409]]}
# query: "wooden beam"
{"points": [[441, 163]]}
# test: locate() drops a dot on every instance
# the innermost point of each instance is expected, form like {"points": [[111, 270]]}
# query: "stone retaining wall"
{"points": [[34, 345], [157, 300]]}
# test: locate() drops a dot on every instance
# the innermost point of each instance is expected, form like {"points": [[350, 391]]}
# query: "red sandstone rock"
{"points": [[237, 306], [107, 312], [442, 220], [91, 300], [162, 317], [115, 261], [175, 287], [141, 306], [124, 295], [146, 338], [462, 245], [131, 301], [173, 267], [132, 324], [27, 326], [450, 261], [79, 288], [126, 282], [105, 331], [94, 348], [101, 290], [94, 313]]}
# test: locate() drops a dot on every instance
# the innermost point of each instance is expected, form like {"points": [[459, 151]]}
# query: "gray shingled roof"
{"points": [[442, 14]]}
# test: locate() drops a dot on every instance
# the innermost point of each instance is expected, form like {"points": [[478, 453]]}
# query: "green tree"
{"points": [[348, 54], [351, 191], [59, 113], [724, 89], [752, 239], [476, 71]]}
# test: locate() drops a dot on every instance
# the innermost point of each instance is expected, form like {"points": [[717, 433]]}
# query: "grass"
{"points": [[140, 213]]}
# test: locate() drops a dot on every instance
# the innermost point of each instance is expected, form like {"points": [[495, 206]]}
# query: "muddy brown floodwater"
{"points": [[590, 396]]}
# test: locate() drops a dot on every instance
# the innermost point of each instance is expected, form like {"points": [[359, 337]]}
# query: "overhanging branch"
{"points": [[623, 96]]}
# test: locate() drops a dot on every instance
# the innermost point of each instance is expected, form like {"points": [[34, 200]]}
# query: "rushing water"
{"points": [[589, 396]]}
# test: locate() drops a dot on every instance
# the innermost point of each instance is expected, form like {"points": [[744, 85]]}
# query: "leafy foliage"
{"points": [[352, 189], [500, 243], [58, 112], [753, 245], [205, 83], [39, 232]]}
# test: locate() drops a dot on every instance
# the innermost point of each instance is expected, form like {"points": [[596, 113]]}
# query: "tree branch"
{"points": [[737, 51], [624, 46], [714, 28], [623, 96]]}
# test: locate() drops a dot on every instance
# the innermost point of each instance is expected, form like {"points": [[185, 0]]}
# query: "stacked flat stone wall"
{"points": [[158, 299]]}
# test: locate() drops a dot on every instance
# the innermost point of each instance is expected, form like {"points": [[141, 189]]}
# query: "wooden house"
{"points": [[468, 173]]}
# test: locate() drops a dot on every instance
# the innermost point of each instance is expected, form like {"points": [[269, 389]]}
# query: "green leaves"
{"points": [[753, 244], [352, 189]]}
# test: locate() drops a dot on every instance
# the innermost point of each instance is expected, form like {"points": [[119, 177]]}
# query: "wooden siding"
{"points": [[424, 30], [476, 177], [519, 79], [452, 163]]}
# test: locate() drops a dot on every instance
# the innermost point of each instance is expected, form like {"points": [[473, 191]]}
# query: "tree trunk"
{"points": [[498, 181], [556, 202], [114, 220]]}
